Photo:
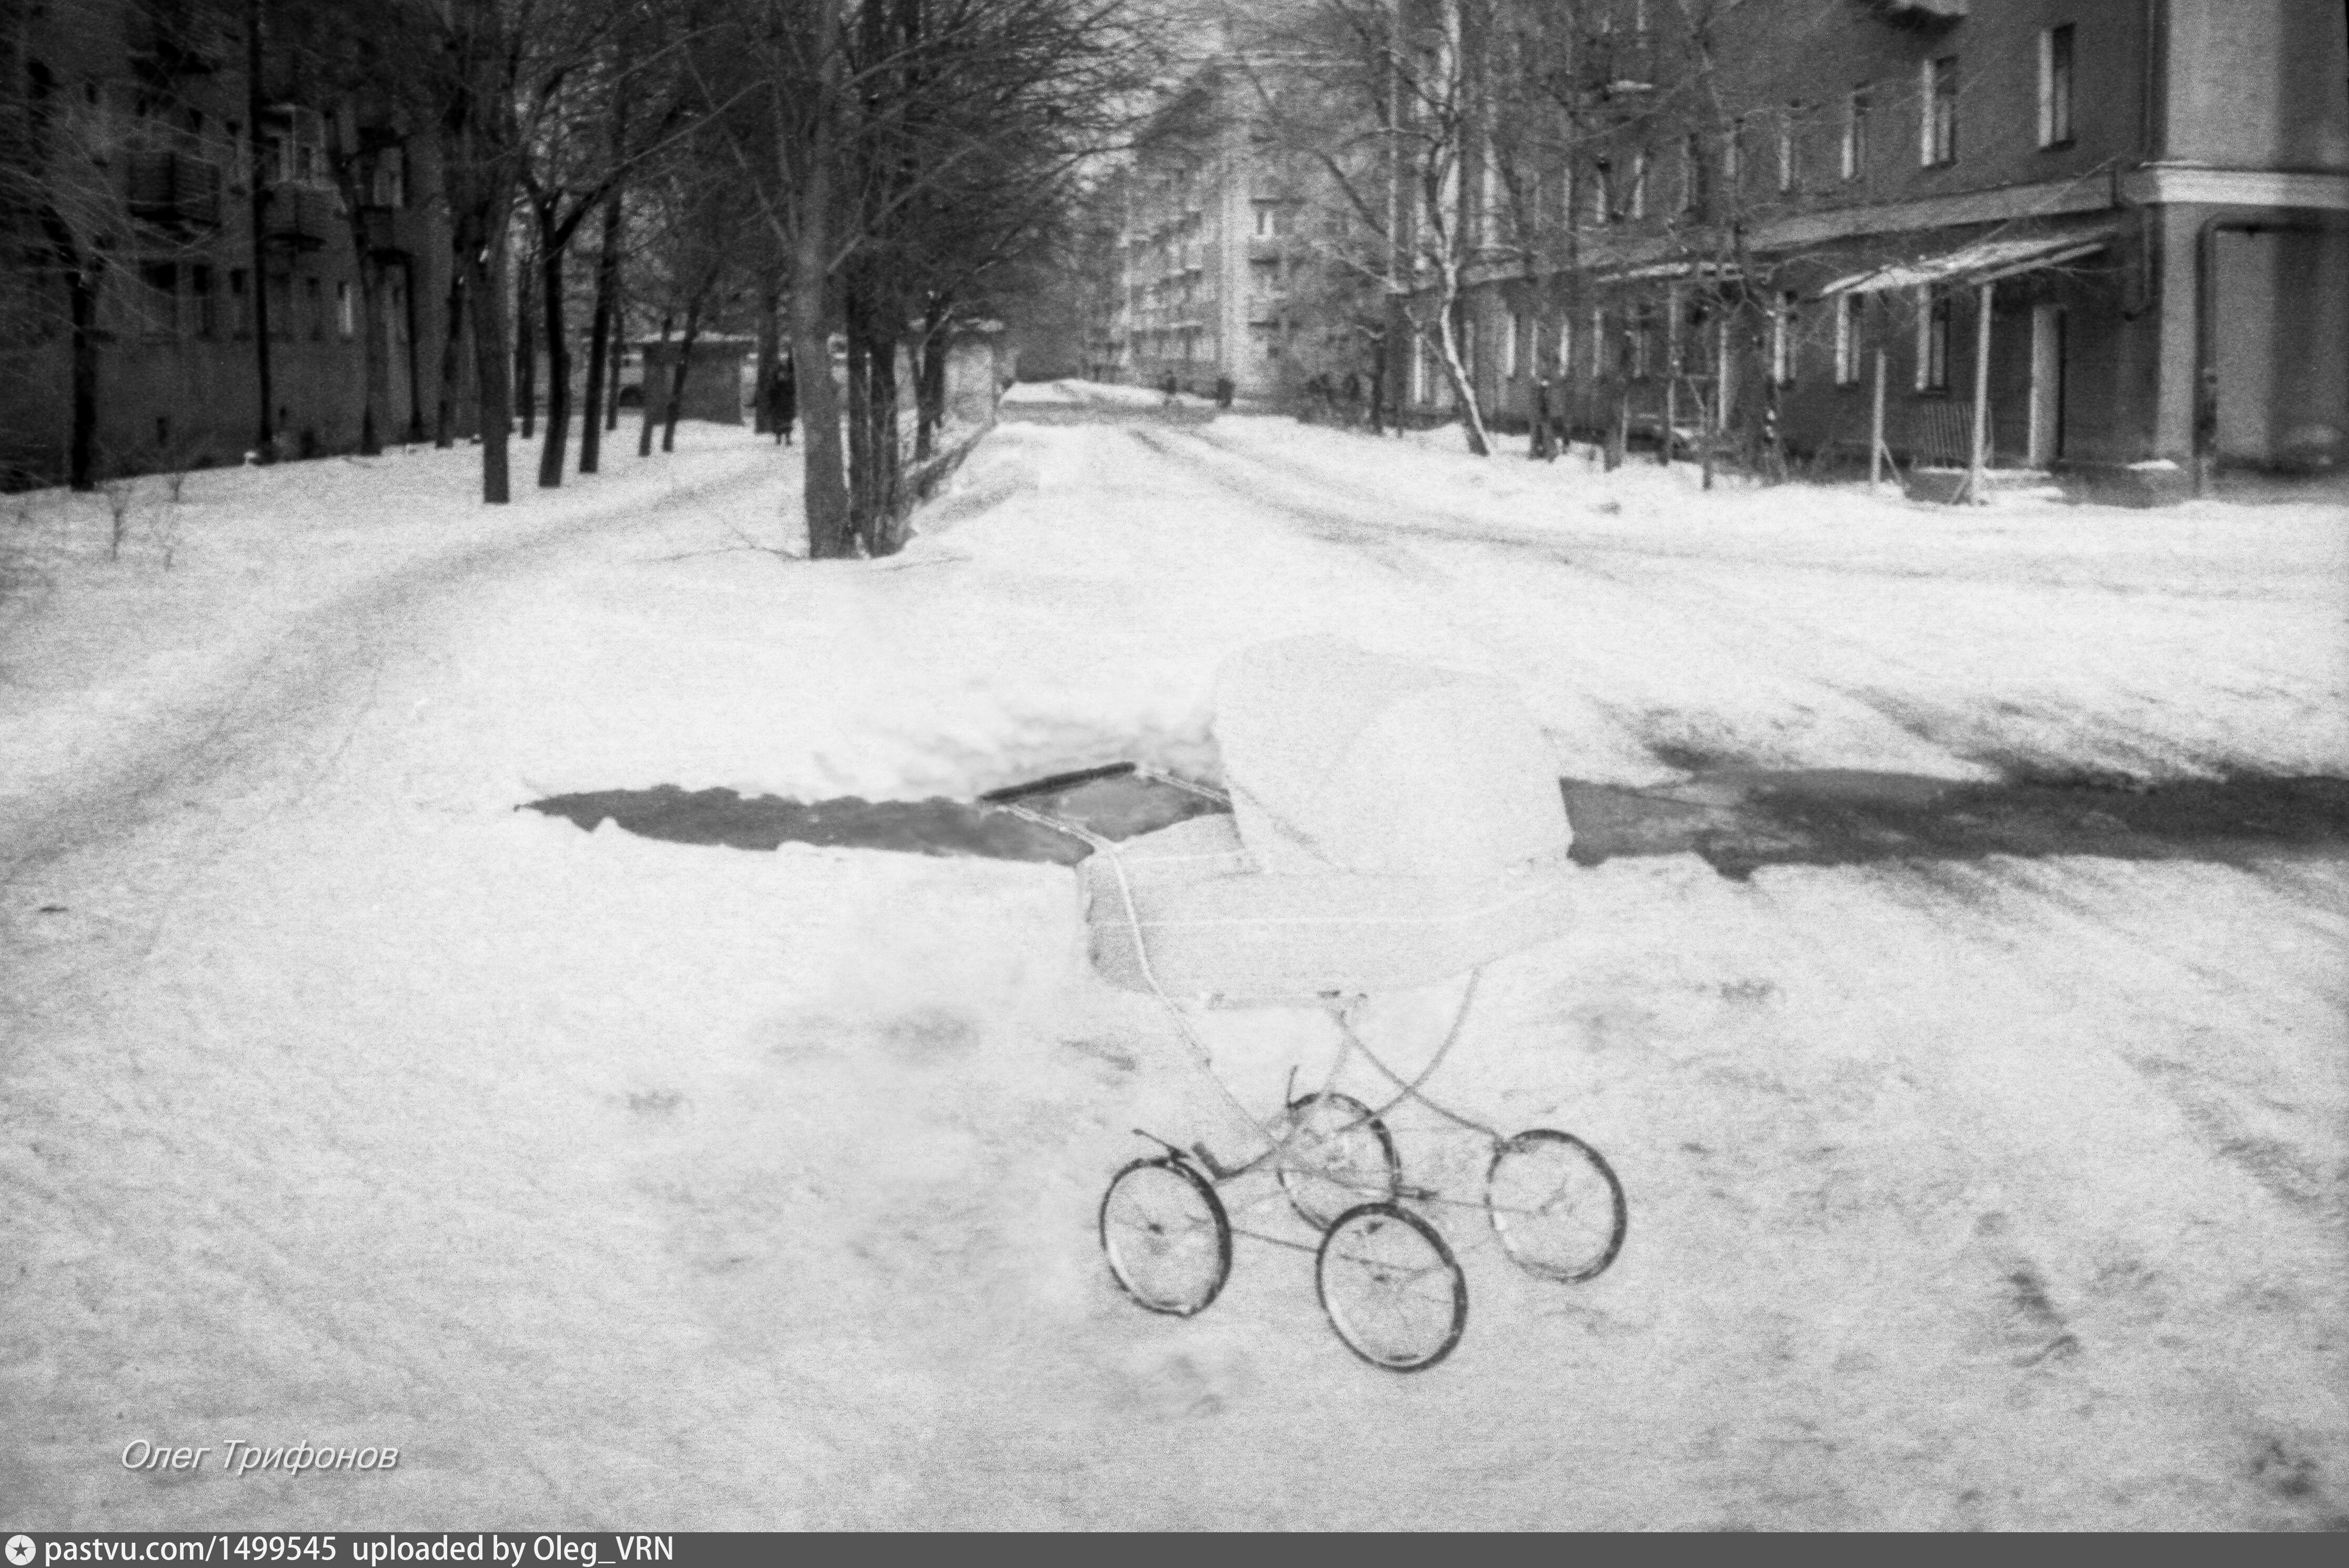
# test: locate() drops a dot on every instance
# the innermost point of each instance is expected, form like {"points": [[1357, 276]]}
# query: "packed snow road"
{"points": [[642, 1185]]}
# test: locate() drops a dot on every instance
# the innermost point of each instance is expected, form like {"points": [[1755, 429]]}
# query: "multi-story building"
{"points": [[2120, 227], [1225, 260], [132, 166]]}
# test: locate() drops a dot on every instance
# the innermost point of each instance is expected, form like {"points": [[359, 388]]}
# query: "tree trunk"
{"points": [[930, 382], [860, 419], [525, 361], [600, 333], [415, 434], [1447, 348], [885, 451], [619, 353], [645, 398], [444, 417], [489, 299], [81, 450], [257, 207], [808, 177], [558, 368], [374, 410], [684, 365]]}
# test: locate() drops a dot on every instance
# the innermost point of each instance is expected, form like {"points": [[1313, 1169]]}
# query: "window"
{"points": [[388, 184], [1597, 342], [397, 306], [159, 299], [1637, 207], [1782, 341], [1509, 344], [1936, 143], [1932, 340], [1602, 197], [1846, 339], [1642, 344], [345, 323], [1855, 135], [200, 290], [1789, 154], [314, 301], [1566, 345], [2055, 86], [1732, 156], [1268, 220], [1691, 167], [240, 302]]}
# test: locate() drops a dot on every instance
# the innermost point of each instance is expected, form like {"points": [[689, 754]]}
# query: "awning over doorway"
{"points": [[1984, 261]]}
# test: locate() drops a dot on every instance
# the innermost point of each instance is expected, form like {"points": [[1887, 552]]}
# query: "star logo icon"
{"points": [[20, 1550]]}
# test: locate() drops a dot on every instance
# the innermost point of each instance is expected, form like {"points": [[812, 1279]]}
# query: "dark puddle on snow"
{"points": [[1737, 819], [1116, 808]]}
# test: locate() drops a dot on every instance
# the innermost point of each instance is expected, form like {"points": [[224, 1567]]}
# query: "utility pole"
{"points": [[267, 439]]}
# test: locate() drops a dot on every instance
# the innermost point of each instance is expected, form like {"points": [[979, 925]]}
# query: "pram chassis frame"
{"points": [[1280, 1146]]}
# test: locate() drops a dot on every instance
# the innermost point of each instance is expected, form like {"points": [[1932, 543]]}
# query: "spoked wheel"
{"points": [[1166, 1235], [1334, 1155], [1556, 1205], [1391, 1288]]}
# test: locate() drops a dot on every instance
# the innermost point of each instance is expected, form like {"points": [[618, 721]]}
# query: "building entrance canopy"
{"points": [[1985, 262]]}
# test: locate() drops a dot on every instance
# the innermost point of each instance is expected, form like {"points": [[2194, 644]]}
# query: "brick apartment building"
{"points": [[131, 128], [2149, 198]]}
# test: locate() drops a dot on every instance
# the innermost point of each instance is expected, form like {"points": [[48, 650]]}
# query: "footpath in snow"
{"points": [[622, 1183]]}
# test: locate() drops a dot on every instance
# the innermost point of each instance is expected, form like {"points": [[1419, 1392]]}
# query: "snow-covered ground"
{"points": [[622, 1183]]}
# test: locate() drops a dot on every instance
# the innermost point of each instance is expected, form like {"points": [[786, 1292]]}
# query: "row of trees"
{"points": [[865, 173], [1449, 141]]}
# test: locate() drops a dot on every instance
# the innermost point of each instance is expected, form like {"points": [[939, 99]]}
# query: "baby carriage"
{"points": [[1388, 826]]}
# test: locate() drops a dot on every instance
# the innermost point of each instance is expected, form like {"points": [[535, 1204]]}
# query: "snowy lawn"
{"points": [[622, 1183]]}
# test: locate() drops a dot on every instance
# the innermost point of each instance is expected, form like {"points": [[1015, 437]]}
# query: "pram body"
{"points": [[1391, 826]]}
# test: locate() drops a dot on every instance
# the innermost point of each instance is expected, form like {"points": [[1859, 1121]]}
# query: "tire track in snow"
{"points": [[1373, 536], [306, 671], [1960, 729], [78, 916]]}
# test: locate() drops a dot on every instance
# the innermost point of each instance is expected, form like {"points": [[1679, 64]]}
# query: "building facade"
{"points": [[2120, 228], [132, 167], [1233, 257]]}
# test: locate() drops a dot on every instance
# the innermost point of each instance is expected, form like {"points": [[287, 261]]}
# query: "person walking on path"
{"points": [[1223, 391], [786, 407]]}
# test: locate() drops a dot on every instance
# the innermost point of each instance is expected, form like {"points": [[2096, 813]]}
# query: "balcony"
{"points": [[172, 191], [300, 217]]}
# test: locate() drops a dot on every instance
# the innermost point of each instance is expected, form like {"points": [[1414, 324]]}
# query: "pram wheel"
{"points": [[1165, 1233], [1334, 1154], [1556, 1205], [1392, 1289]]}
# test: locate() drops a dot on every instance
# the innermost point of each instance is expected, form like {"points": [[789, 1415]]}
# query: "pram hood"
{"points": [[1339, 759], [1393, 825]]}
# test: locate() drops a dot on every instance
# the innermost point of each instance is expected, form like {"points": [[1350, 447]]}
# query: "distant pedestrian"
{"points": [[1544, 446], [1168, 385], [1223, 391], [784, 410]]}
